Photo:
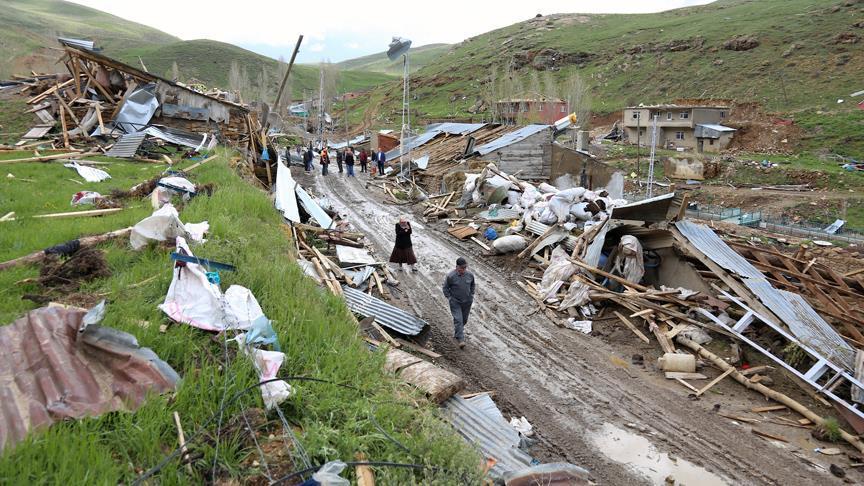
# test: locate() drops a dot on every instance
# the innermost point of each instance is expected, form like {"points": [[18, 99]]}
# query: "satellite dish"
{"points": [[398, 47]]}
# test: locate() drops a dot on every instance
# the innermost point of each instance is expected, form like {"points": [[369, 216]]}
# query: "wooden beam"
{"points": [[64, 127], [715, 381], [419, 349], [633, 328], [84, 241], [78, 214], [385, 335]]}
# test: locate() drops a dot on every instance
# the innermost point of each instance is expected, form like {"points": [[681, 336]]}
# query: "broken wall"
{"points": [[528, 159], [568, 161]]}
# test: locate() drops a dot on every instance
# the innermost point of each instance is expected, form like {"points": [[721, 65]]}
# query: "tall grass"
{"points": [[315, 332]]}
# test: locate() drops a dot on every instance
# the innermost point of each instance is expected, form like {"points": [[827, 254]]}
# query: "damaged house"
{"points": [[679, 126]]}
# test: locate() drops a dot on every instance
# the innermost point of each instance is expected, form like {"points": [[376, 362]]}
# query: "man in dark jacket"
{"points": [[307, 159], [349, 161], [380, 159], [339, 156], [459, 290], [363, 158]]}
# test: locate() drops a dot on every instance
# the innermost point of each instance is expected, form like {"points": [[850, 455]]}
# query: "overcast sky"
{"points": [[339, 30]]}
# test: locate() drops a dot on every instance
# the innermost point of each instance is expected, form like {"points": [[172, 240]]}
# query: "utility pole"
{"points": [[638, 142], [651, 162], [345, 105], [321, 109]]}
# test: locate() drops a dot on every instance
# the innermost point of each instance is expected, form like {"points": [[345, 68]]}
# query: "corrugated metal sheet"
{"points": [[78, 43], [413, 143], [537, 228], [510, 138], [49, 373], [804, 322], [178, 137], [494, 438], [313, 208], [385, 314], [360, 139], [456, 128], [499, 214], [653, 209], [126, 145], [714, 248]]}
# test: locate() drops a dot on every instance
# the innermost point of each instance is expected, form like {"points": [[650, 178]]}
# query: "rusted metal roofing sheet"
{"points": [[707, 241], [384, 313], [494, 437], [804, 322], [51, 372]]}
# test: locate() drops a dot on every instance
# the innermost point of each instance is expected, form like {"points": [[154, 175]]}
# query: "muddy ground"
{"points": [[586, 400]]}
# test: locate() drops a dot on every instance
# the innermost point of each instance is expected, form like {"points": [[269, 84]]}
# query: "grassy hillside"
{"points": [[379, 63], [809, 54], [210, 61], [28, 28], [314, 328]]}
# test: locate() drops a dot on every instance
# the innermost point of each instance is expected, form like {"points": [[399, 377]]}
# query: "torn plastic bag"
{"points": [[173, 186], [529, 197], [261, 333], [191, 298], [560, 269], [509, 244], [164, 224], [552, 474], [85, 197], [90, 174], [197, 231], [582, 326], [329, 473], [267, 364], [522, 426], [547, 188], [241, 308], [577, 296]]}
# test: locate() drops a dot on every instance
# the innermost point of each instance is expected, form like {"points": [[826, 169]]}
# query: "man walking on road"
{"points": [[380, 159], [459, 290], [349, 161], [339, 157]]}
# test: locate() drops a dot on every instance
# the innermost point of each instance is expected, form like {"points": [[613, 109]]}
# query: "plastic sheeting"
{"points": [[354, 256], [90, 174], [286, 196], [267, 364], [191, 298], [628, 259], [164, 224], [559, 270], [313, 208]]}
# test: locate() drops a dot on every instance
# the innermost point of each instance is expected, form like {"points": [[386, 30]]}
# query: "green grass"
{"points": [[28, 27], [314, 328], [419, 57], [814, 75], [14, 122]]}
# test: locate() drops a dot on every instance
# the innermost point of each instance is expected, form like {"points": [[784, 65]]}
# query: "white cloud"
{"points": [[352, 45], [317, 47]]}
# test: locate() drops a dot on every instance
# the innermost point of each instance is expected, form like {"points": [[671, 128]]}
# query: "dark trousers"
{"points": [[324, 169], [362, 166], [381, 168], [460, 311], [339, 163]]}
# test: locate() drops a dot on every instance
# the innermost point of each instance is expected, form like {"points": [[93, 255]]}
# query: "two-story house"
{"points": [[679, 126], [537, 109]]}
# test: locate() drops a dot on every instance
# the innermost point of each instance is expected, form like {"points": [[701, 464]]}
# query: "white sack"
{"points": [[164, 194], [577, 296], [522, 426], [547, 216], [191, 298], [241, 308], [581, 326], [560, 269], [547, 188], [580, 212], [90, 174], [164, 224], [509, 244], [196, 231], [85, 197]]}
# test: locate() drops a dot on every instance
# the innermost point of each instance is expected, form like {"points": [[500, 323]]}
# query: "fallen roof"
{"points": [[655, 209], [433, 131], [384, 313], [50, 372], [494, 437], [707, 241], [510, 138]]}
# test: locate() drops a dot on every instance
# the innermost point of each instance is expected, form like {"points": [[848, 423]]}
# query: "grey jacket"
{"points": [[459, 287]]}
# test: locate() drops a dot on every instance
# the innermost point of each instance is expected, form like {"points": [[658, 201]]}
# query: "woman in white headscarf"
{"points": [[403, 250]]}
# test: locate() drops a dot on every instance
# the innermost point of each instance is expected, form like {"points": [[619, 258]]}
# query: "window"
{"points": [[685, 115], [563, 109], [668, 115], [540, 107], [722, 114], [679, 135], [710, 141]]}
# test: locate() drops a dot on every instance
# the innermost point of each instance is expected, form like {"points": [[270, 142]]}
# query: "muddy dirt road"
{"points": [[582, 398]]}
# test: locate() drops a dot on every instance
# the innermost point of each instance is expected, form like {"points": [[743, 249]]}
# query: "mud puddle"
{"points": [[640, 455]]}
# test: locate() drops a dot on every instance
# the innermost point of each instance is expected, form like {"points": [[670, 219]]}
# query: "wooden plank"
{"points": [[674, 375], [378, 283], [768, 436], [715, 381], [419, 349], [64, 127], [660, 333], [756, 369], [688, 385], [385, 335], [68, 109], [365, 476], [738, 418], [77, 214], [642, 313], [770, 408], [633, 328], [481, 244]]}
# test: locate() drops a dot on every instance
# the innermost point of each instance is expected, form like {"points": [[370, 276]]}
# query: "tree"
{"points": [[578, 95], [238, 79], [175, 72], [263, 93], [550, 85]]}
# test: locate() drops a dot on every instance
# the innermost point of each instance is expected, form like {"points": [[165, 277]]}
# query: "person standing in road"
{"points": [[363, 158], [403, 250], [339, 158], [349, 161], [459, 290], [325, 161], [380, 159], [307, 159]]}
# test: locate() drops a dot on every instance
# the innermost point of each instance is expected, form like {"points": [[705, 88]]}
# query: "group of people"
{"points": [[345, 160], [458, 285]]}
